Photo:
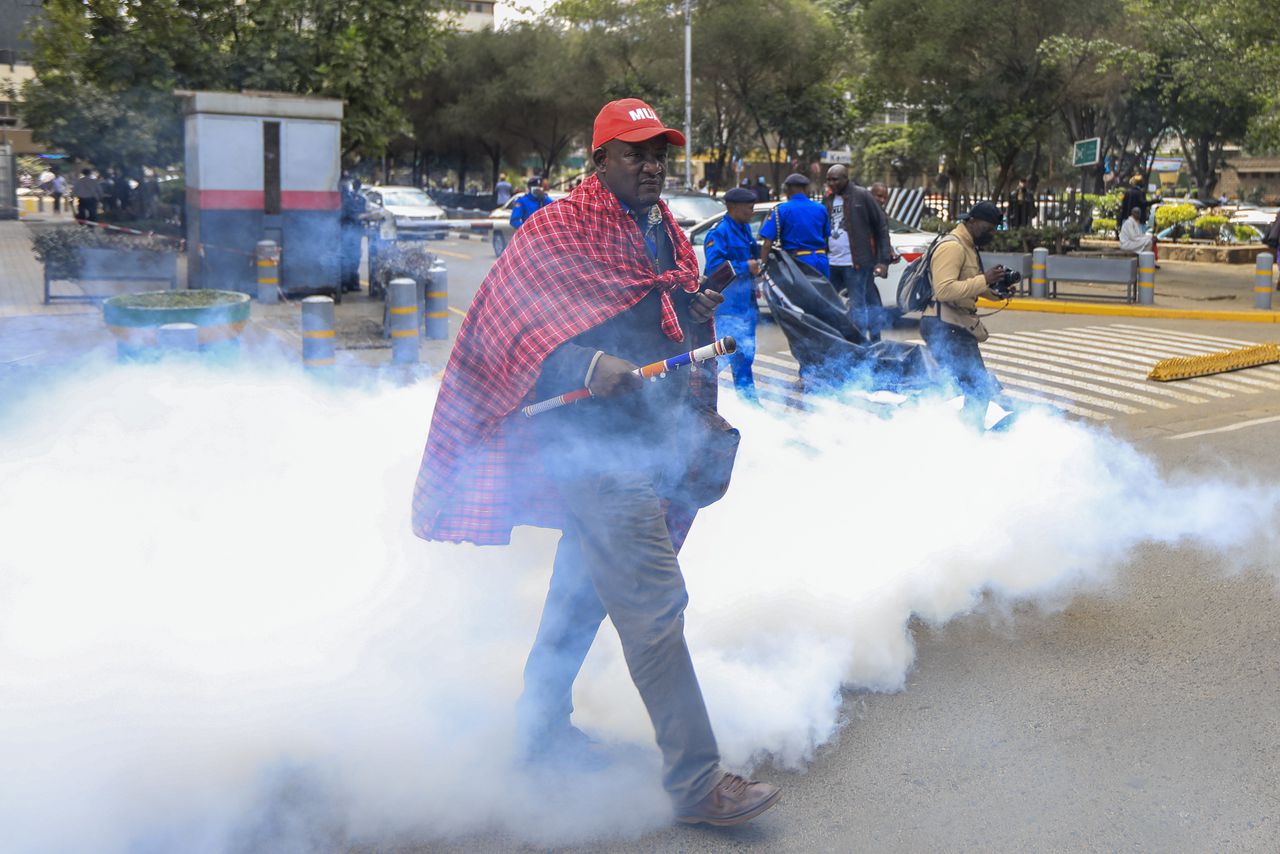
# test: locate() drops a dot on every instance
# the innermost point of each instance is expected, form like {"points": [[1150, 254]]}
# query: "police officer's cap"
{"points": [[795, 179], [738, 195], [985, 211], [535, 181]]}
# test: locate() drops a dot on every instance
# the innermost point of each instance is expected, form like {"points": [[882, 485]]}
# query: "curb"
{"points": [[1054, 307]]}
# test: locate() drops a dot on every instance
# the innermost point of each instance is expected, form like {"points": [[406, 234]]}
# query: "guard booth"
{"points": [[262, 166]]}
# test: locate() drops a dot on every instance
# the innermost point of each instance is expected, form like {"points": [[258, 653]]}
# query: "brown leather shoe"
{"points": [[734, 800]]}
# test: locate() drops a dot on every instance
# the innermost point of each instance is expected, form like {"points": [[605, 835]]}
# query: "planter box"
{"points": [[1204, 252], [98, 264], [136, 318]]}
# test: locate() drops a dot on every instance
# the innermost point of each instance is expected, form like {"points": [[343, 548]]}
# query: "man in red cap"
{"points": [[593, 285]]}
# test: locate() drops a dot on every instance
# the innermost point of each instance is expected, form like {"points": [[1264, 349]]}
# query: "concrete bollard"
{"points": [[319, 340], [436, 308], [1262, 289], [178, 338], [1146, 278], [402, 307], [267, 256], [1039, 266]]}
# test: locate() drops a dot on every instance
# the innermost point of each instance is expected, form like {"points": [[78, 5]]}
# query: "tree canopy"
{"points": [[106, 70]]}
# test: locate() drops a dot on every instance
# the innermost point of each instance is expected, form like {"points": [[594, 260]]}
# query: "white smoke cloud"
{"points": [[217, 633]]}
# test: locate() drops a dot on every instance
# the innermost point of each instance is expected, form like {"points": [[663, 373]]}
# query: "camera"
{"points": [[1007, 285]]}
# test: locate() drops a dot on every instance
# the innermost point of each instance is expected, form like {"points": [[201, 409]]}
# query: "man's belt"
{"points": [[799, 252]]}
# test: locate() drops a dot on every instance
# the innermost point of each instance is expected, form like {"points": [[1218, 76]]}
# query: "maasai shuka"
{"points": [[573, 265]]}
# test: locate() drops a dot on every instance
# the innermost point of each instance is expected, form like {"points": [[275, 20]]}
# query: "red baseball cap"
{"points": [[630, 120]]}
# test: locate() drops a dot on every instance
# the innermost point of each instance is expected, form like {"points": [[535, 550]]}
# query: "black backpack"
{"points": [[915, 288]]}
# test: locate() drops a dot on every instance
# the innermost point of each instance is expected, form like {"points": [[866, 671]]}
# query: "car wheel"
{"points": [[499, 244]]}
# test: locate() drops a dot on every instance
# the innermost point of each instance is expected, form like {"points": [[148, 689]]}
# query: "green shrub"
{"points": [[1246, 233], [1210, 222], [935, 225], [59, 248], [1055, 238], [1167, 215], [1107, 205], [1104, 225], [403, 259]]}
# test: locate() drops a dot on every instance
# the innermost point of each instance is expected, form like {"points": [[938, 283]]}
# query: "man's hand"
{"points": [[703, 305], [613, 376], [881, 271], [753, 267], [994, 275]]}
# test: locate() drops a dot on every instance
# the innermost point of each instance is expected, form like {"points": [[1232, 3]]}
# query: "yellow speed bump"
{"points": [[1186, 367]]}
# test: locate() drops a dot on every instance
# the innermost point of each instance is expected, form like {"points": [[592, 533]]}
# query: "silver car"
{"points": [[416, 214]]}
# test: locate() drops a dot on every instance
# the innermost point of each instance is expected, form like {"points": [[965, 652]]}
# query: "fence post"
{"points": [[1146, 278], [436, 310], [402, 306], [178, 338], [267, 256], [1039, 266], [1262, 289], [319, 340]]}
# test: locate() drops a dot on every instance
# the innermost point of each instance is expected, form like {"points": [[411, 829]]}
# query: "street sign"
{"points": [[845, 157], [1086, 152]]}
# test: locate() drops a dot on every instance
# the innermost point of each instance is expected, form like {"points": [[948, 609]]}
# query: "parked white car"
{"points": [[908, 244], [416, 214]]}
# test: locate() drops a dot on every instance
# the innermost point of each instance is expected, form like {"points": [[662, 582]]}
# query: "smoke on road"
{"points": [[217, 633]]}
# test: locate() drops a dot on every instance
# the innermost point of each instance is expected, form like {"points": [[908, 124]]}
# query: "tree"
{"points": [[106, 69], [1214, 61], [981, 81]]}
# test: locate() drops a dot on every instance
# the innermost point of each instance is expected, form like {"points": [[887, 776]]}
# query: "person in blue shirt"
{"points": [[528, 203], [731, 241], [803, 225]]}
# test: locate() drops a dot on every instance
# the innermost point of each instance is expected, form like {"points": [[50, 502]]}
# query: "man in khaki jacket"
{"points": [[954, 329]]}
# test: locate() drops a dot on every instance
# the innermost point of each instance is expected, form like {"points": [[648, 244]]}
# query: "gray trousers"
{"points": [[616, 558]]}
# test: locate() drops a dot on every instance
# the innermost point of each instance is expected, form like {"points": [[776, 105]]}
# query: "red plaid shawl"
{"points": [[570, 267]]}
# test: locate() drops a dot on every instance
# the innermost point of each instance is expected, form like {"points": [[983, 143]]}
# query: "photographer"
{"points": [[958, 280]]}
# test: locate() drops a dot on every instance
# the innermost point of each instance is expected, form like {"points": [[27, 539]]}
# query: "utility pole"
{"points": [[688, 95]]}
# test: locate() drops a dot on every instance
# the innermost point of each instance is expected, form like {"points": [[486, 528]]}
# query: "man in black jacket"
{"points": [[858, 249]]}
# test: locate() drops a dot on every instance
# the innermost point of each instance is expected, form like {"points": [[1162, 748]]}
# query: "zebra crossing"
{"points": [[1097, 372]]}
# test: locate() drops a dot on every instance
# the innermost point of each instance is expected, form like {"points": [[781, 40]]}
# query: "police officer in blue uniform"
{"points": [[731, 241], [528, 203], [803, 225]]}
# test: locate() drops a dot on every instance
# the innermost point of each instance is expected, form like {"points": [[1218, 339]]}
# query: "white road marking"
{"points": [[1067, 377], [1134, 378], [1228, 428]]}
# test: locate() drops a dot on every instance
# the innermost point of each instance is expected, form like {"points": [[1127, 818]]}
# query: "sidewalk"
{"points": [[33, 334]]}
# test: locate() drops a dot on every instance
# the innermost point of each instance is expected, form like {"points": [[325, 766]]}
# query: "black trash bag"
{"points": [[831, 351]]}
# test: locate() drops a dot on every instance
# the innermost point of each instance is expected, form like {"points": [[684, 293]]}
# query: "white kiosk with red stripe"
{"points": [[262, 166]]}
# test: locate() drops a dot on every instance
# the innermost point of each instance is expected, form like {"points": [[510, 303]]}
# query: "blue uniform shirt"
{"points": [[805, 228], [732, 241], [525, 207]]}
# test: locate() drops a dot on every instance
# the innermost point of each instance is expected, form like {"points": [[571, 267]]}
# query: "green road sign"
{"points": [[1086, 152]]}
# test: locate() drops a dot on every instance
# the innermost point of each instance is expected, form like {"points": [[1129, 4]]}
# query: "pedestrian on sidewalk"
{"points": [[502, 190], [1272, 239], [1133, 235], [88, 194], [57, 189]]}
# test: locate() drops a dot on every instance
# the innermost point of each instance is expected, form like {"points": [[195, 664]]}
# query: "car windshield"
{"points": [[407, 198], [693, 208]]}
